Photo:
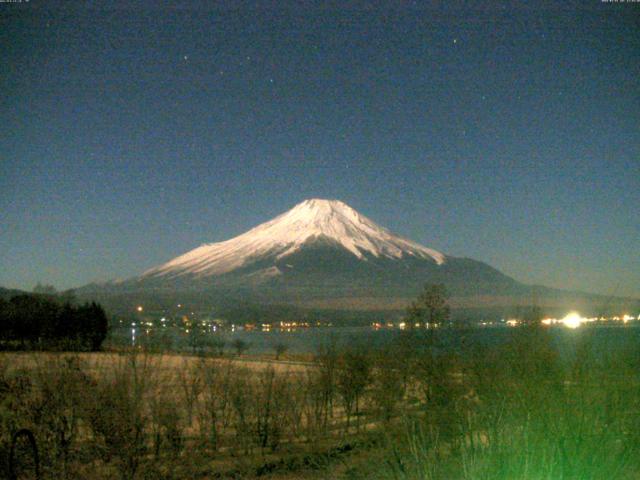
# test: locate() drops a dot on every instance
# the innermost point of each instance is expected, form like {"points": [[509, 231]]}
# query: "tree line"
{"points": [[30, 322]]}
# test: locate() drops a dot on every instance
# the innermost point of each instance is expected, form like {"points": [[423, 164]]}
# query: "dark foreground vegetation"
{"points": [[46, 322], [413, 410]]}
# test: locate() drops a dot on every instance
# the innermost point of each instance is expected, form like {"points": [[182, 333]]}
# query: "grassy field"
{"points": [[518, 410]]}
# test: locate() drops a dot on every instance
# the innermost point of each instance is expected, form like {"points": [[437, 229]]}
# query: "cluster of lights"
{"points": [[293, 326], [401, 325], [574, 320]]}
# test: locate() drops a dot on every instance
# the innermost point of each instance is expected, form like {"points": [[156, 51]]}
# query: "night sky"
{"points": [[134, 132]]}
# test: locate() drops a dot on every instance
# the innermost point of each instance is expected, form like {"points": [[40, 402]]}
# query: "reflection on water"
{"points": [[308, 341]]}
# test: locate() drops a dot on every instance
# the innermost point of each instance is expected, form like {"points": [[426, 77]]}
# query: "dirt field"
{"points": [[162, 362]]}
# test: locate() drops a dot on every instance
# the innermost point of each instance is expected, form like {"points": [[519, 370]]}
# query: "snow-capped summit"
{"points": [[321, 254], [316, 219]]}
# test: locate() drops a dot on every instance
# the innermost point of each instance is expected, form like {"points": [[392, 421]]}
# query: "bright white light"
{"points": [[572, 320]]}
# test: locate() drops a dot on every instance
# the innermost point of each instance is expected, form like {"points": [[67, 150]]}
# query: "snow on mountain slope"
{"points": [[287, 233]]}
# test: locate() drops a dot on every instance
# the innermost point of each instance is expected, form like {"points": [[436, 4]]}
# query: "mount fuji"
{"points": [[319, 250], [324, 254], [329, 223]]}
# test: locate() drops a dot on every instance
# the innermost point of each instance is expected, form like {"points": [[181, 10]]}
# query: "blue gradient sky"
{"points": [[135, 132]]}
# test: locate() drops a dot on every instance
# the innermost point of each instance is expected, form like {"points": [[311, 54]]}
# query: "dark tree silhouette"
{"points": [[430, 306], [279, 349], [240, 346], [39, 321]]}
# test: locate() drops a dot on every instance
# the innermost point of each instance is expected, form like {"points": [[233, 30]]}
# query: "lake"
{"points": [[307, 341]]}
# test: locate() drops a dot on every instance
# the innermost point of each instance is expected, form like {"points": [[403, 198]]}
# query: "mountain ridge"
{"points": [[323, 252]]}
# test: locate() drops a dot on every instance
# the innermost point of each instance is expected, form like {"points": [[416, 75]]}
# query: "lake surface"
{"points": [[309, 341]]}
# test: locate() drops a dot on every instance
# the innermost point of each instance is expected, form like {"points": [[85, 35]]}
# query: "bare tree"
{"points": [[314, 405], [353, 376], [117, 414], [388, 381], [190, 385], [280, 348], [326, 360], [217, 344], [271, 408], [240, 394], [215, 400], [240, 346], [166, 421]]}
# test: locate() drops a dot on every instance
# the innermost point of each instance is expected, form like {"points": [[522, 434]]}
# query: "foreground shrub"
{"points": [[118, 416]]}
